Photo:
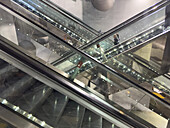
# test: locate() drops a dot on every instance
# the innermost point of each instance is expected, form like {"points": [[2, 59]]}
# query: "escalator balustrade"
{"points": [[38, 101]]}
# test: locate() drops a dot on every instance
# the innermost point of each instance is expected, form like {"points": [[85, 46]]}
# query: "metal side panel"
{"points": [[14, 119]]}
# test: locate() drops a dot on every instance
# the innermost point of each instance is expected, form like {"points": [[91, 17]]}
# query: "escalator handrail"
{"points": [[88, 57], [118, 27], [69, 15], [47, 71]]}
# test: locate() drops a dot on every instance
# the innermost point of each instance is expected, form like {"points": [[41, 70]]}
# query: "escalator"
{"points": [[28, 34], [33, 99]]}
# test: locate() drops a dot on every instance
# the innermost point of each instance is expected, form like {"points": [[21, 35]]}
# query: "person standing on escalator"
{"points": [[167, 16], [116, 39]]}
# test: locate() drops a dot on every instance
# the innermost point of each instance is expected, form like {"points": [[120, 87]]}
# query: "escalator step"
{"points": [[33, 97], [106, 124], [16, 87], [91, 120], [3, 63], [50, 110], [71, 116]]}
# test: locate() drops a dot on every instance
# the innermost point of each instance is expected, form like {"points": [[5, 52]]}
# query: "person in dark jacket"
{"points": [[116, 39], [167, 16]]}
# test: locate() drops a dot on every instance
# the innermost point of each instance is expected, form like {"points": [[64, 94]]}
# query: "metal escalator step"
{"points": [[44, 95], [33, 98], [106, 124], [16, 88], [3, 63], [23, 99], [71, 116], [52, 108], [16, 76], [6, 72], [91, 120], [9, 79]]}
